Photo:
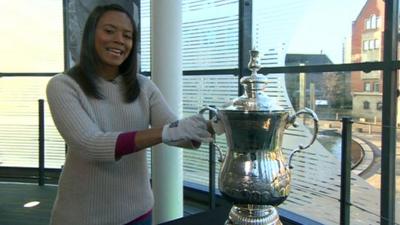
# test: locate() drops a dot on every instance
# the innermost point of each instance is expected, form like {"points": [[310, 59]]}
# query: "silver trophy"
{"points": [[254, 174]]}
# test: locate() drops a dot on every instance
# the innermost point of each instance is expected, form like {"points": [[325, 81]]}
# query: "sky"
{"points": [[307, 26], [32, 35]]}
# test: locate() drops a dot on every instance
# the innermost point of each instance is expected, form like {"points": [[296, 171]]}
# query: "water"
{"points": [[332, 141]]}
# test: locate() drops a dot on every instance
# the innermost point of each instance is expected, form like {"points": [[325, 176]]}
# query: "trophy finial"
{"points": [[254, 65]]}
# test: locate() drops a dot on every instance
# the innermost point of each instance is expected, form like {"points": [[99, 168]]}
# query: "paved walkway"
{"points": [[369, 138]]}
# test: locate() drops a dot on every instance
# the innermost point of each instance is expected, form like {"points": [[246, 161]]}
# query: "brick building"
{"points": [[367, 46]]}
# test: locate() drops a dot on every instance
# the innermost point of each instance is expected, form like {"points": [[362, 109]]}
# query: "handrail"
{"points": [[211, 173], [41, 143], [345, 172]]}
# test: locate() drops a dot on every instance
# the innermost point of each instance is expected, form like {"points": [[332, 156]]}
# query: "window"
{"points": [[377, 44], [379, 106], [372, 22], [365, 45], [366, 105], [209, 35], [32, 42], [210, 41], [376, 86], [371, 44], [368, 24], [367, 86]]}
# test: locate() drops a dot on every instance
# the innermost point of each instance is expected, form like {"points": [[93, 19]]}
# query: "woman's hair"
{"points": [[85, 72]]}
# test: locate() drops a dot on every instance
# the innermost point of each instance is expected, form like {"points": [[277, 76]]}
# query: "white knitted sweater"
{"points": [[95, 188]]}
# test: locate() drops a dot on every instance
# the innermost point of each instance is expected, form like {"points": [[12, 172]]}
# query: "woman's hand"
{"points": [[192, 128]]}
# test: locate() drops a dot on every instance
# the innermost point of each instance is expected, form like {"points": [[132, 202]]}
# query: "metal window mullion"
{"points": [[67, 62], [245, 38], [390, 85]]}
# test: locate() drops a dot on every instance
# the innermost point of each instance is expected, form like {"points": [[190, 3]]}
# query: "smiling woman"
{"points": [[30, 41], [113, 42]]}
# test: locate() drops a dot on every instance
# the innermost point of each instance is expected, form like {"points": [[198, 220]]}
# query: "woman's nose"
{"points": [[119, 37]]}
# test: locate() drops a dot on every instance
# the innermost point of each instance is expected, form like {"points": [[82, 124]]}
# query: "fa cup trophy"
{"points": [[254, 174]]}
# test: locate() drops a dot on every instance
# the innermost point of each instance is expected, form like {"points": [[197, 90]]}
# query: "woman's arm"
{"points": [[148, 138], [185, 133]]}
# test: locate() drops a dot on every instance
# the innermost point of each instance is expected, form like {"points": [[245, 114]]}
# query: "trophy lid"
{"points": [[255, 97]]}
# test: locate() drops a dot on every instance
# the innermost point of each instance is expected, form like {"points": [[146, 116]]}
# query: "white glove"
{"points": [[192, 128], [217, 125]]}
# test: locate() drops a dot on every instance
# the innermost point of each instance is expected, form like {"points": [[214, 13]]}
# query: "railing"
{"points": [[345, 203], [41, 143]]}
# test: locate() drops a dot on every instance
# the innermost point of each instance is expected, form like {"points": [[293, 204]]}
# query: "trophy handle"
{"points": [[292, 120], [214, 110], [216, 118], [221, 155]]}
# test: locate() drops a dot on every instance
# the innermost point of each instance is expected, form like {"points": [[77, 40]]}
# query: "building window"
{"points": [[371, 44], [366, 104], [372, 22], [365, 45], [368, 24], [377, 43], [376, 86], [379, 106], [367, 86]]}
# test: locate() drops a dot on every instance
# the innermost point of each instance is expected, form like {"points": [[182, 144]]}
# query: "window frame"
{"points": [[389, 66]]}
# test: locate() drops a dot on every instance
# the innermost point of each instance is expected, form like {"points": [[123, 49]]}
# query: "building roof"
{"points": [[307, 59]]}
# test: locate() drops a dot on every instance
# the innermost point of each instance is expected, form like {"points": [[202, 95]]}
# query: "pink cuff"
{"points": [[125, 144]]}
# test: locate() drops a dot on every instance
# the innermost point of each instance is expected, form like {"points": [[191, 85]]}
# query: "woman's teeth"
{"points": [[115, 51]]}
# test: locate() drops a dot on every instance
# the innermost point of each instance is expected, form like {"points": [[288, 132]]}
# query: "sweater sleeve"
{"points": [[125, 144], [160, 112], [71, 111]]}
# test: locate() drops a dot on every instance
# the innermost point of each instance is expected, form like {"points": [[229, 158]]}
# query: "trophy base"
{"points": [[253, 215]]}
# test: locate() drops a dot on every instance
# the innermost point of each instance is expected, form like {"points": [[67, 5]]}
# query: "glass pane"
{"points": [[316, 172], [31, 36], [398, 155], [290, 30], [19, 131], [200, 91], [398, 135], [209, 35], [145, 50]]}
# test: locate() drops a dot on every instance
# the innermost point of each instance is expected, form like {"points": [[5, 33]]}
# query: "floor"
{"points": [[15, 195]]}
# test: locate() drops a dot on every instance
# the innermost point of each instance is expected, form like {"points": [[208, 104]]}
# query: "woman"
{"points": [[103, 110]]}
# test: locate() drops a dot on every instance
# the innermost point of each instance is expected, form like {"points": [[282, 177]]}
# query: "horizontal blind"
{"points": [[200, 91], [19, 145], [209, 35]]}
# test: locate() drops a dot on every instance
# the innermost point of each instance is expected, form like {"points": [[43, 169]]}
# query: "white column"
{"points": [[166, 69]]}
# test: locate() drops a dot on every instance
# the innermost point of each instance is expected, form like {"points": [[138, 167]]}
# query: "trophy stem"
{"points": [[253, 215]]}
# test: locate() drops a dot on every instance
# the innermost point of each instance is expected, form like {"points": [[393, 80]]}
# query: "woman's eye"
{"points": [[127, 36], [108, 31]]}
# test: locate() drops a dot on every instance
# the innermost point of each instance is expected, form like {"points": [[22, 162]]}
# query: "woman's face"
{"points": [[113, 40]]}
